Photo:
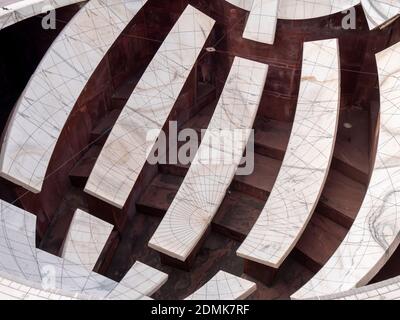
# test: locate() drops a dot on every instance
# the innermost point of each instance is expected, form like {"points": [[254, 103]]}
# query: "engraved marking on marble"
{"points": [[375, 233], [307, 160], [126, 149], [205, 186], [224, 286]]}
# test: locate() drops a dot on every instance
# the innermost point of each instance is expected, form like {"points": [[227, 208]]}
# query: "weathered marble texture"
{"points": [[215, 164], [262, 20], [24, 290], [380, 12], [17, 234], [377, 12], [141, 278], [307, 160], [384, 290], [22, 263], [224, 286], [14, 11], [4, 3], [86, 238], [20, 259], [126, 150], [307, 9], [44, 106], [375, 232], [244, 4], [261, 23]]}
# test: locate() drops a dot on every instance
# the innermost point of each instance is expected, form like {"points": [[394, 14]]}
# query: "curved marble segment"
{"points": [[375, 232], [51, 93], [261, 23], [141, 278], [17, 242], [243, 4], [307, 160], [22, 263], [215, 163], [86, 239], [301, 9], [307, 9], [17, 245], [126, 150], [14, 11], [12, 290], [384, 290], [23, 290], [224, 286], [75, 278], [380, 12], [20, 259]]}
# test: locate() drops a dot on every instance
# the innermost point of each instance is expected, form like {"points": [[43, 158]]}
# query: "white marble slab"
{"points": [[19, 257], [51, 93], [307, 160], [86, 239], [4, 3], [375, 232], [15, 11], [11, 289], [307, 9], [210, 174], [380, 12], [243, 4], [302, 9], [27, 267], [72, 277], [264, 15], [76, 279], [224, 286], [261, 23], [384, 290], [141, 281], [17, 242], [147, 109]]}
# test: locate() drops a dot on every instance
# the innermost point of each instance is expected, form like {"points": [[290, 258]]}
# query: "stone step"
{"points": [[341, 198], [351, 154], [319, 241], [81, 172], [158, 196]]}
